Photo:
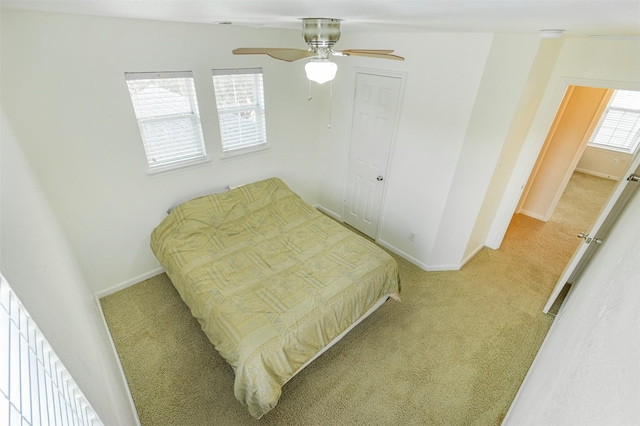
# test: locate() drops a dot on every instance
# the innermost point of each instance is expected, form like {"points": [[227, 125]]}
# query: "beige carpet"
{"points": [[454, 352]]}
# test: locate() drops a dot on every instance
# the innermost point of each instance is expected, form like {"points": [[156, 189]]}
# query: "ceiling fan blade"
{"points": [[367, 50], [385, 54], [288, 55]]}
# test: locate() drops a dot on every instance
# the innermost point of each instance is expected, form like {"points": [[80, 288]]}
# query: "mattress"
{"points": [[271, 280]]}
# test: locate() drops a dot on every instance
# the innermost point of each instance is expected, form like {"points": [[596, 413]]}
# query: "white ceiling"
{"points": [[576, 17]]}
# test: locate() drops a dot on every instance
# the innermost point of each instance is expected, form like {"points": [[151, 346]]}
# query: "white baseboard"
{"points": [[445, 267], [329, 213], [421, 265], [598, 174], [533, 215], [129, 283], [473, 253], [494, 243]]}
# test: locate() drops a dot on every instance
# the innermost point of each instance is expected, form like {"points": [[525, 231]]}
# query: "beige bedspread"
{"points": [[270, 279]]}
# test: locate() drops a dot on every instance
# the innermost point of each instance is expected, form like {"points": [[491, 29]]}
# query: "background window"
{"points": [[35, 388], [240, 101], [619, 126], [167, 111]]}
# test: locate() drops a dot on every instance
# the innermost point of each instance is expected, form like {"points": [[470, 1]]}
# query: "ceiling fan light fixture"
{"points": [[320, 70]]}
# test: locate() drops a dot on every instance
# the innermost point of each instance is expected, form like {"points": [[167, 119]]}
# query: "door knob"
{"points": [[380, 178], [588, 239]]}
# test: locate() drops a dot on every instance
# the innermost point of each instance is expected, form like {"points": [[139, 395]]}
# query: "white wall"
{"points": [[38, 263], [443, 73], [534, 89], [64, 92], [587, 370], [503, 83], [604, 163], [576, 118], [67, 100]]}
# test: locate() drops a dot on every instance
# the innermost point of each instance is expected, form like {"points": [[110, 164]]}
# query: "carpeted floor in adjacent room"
{"points": [[453, 352]]}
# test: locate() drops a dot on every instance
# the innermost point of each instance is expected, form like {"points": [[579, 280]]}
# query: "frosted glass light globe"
{"points": [[321, 70]]}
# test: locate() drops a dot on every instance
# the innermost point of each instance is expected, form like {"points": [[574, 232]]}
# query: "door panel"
{"points": [[374, 118], [598, 234]]}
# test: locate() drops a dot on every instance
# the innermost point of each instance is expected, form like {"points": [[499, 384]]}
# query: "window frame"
{"points": [[635, 142], [195, 147], [258, 108]]}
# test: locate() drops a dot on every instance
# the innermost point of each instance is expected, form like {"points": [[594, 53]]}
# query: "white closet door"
{"points": [[374, 118]]}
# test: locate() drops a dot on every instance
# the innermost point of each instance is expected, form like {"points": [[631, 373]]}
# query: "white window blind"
{"points": [[166, 108], [35, 388], [619, 127], [240, 102]]}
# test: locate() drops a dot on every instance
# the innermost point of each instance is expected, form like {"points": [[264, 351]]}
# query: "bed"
{"points": [[272, 281]]}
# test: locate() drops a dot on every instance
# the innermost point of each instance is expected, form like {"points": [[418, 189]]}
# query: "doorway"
{"points": [[598, 234], [566, 141], [563, 158]]}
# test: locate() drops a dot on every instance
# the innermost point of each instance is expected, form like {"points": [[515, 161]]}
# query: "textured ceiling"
{"points": [[576, 17]]}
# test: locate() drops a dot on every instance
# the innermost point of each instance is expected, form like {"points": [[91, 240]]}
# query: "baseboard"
{"points": [[383, 243], [128, 283], [402, 254], [533, 215], [328, 212], [471, 255], [445, 267], [419, 264], [598, 174]]}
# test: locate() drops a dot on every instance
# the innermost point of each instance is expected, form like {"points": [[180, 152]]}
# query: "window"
{"points": [[167, 111], [240, 101], [35, 388], [619, 126]]}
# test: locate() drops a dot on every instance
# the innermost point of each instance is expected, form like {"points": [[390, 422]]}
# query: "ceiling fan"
{"points": [[320, 34]]}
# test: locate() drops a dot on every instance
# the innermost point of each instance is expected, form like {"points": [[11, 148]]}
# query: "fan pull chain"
{"points": [[330, 102], [310, 98]]}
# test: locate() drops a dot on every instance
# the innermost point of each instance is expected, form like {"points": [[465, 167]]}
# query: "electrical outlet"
{"points": [[412, 236]]}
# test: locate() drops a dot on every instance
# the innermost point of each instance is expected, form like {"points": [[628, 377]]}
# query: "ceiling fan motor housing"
{"points": [[321, 32]]}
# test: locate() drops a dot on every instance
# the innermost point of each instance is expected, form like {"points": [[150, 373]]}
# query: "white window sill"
{"points": [[609, 148], [178, 167], [242, 152]]}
